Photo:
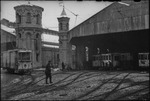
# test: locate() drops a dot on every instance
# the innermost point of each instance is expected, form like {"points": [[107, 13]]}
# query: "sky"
{"points": [[53, 9]]}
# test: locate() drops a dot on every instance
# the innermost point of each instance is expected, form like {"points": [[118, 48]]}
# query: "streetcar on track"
{"points": [[17, 61], [112, 60], [143, 60]]}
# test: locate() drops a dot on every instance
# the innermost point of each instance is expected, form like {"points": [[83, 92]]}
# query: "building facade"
{"points": [[63, 38], [116, 28], [50, 54], [8, 42], [8, 36], [28, 30]]}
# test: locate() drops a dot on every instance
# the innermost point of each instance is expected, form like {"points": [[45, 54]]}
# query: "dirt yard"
{"points": [[80, 85]]}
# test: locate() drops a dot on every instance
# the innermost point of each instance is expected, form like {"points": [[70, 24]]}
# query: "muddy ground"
{"points": [[79, 85]]}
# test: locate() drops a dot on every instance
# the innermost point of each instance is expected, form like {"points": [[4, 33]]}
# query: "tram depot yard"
{"points": [[79, 85]]}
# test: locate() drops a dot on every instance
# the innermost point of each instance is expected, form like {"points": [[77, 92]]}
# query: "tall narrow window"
{"points": [[37, 57], [36, 43], [28, 42], [98, 50], [19, 40], [87, 53], [57, 58], [67, 26], [28, 18], [38, 19], [37, 36], [60, 26], [18, 18]]}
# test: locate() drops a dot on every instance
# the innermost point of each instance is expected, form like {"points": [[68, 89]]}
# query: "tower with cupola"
{"points": [[63, 37], [29, 30]]}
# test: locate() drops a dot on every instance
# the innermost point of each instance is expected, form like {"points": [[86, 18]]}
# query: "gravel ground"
{"points": [[80, 85]]}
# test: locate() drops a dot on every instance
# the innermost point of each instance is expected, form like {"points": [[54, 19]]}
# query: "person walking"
{"points": [[48, 72]]}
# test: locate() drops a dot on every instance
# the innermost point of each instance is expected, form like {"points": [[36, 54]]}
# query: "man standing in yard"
{"points": [[48, 72]]}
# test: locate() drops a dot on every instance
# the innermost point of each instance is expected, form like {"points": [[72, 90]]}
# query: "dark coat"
{"points": [[48, 69], [63, 65]]}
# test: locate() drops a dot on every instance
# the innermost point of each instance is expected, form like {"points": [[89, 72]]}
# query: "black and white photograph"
{"points": [[75, 50]]}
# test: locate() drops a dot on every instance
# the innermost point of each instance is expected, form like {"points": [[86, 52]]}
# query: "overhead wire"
{"points": [[76, 15]]}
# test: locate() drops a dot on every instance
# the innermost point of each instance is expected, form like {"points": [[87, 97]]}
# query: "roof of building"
{"points": [[63, 13], [124, 3], [8, 29], [28, 5], [51, 32]]}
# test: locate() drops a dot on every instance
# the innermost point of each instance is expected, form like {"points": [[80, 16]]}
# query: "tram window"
{"points": [[116, 57], [109, 57], [93, 58], [144, 56], [123, 57], [20, 56], [100, 57], [24, 56], [103, 57], [106, 57], [139, 56]]}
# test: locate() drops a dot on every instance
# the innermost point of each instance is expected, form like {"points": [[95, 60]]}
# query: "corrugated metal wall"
{"points": [[115, 18]]}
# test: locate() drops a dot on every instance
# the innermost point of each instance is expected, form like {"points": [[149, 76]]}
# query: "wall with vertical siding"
{"points": [[115, 18], [49, 54]]}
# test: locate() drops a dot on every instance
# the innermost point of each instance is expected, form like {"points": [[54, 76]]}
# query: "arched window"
{"points": [[36, 41], [60, 26], [37, 57], [19, 41], [67, 26], [38, 19], [28, 42], [28, 18], [18, 18], [37, 46]]}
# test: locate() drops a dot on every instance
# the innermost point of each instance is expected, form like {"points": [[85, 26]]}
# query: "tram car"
{"points": [[17, 61], [111, 60], [143, 60]]}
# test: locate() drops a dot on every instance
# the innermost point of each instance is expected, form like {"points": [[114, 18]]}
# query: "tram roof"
{"points": [[19, 50], [24, 50]]}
